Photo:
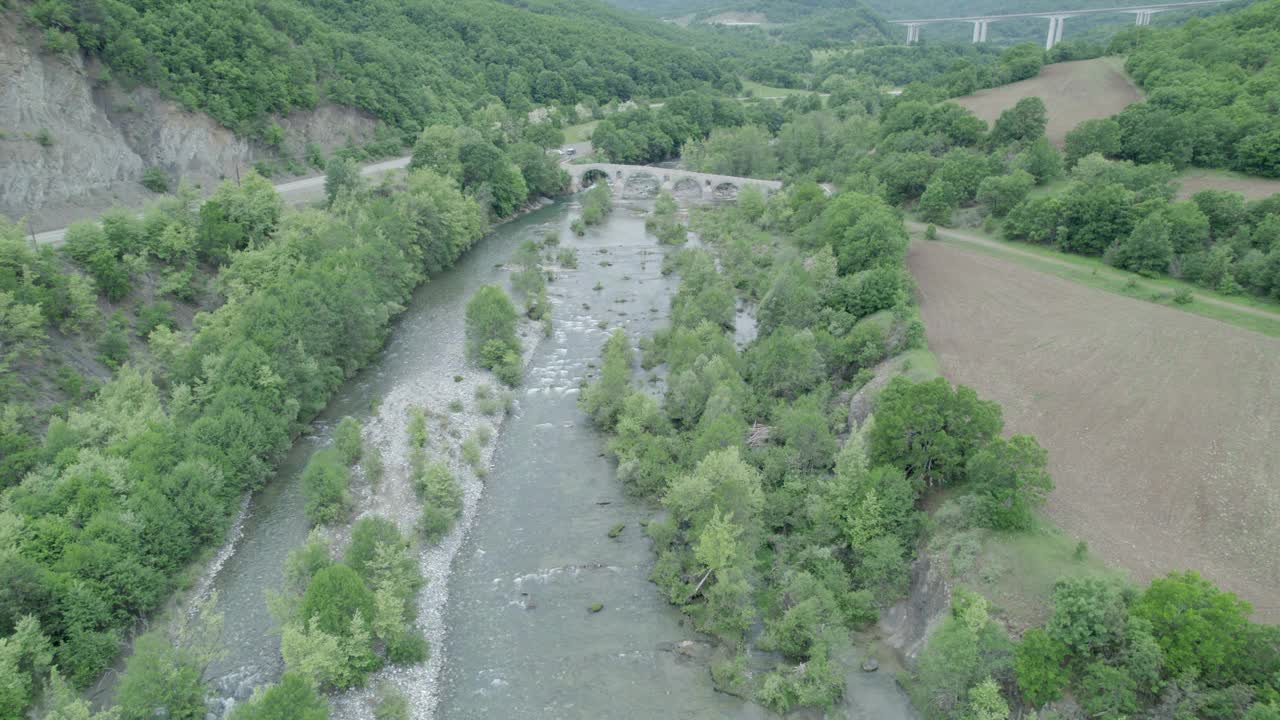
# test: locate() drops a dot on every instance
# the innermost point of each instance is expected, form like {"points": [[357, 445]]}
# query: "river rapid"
{"points": [[506, 607]]}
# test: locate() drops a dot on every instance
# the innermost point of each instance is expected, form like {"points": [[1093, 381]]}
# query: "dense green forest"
{"points": [[411, 64], [1212, 92]]}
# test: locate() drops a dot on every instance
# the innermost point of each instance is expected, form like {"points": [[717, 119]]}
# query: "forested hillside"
{"points": [[1213, 92], [411, 64]]}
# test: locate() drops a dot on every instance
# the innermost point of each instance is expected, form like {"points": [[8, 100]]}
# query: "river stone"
{"points": [[870, 665]]}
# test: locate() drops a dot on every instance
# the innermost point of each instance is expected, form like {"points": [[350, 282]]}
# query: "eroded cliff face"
{"points": [[101, 138], [907, 625]]}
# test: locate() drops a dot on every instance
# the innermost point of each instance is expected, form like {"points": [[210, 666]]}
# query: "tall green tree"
{"points": [[931, 429]]}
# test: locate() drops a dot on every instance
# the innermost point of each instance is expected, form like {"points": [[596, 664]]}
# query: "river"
{"points": [[506, 606]]}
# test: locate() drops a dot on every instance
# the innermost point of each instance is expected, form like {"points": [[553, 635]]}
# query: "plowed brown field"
{"points": [[1072, 93], [1163, 428]]}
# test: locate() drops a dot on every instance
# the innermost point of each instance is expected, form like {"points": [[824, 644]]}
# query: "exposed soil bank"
{"points": [[102, 137]]}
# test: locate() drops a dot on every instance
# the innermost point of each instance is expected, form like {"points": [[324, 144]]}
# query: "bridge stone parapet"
{"points": [[621, 177]]}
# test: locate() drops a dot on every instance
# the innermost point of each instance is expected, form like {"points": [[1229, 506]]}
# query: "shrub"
{"points": [[159, 677], [597, 205], [373, 466], [1038, 664], [154, 315], [43, 137], [491, 334], [471, 452], [368, 534], [324, 483], [1012, 478], [1107, 692], [567, 258], [113, 346], [441, 500], [333, 598], [392, 704], [293, 698], [346, 440], [155, 180], [407, 648], [417, 427]]}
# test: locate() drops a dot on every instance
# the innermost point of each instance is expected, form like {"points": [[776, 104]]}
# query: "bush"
{"points": [[160, 679], [155, 180], [392, 704], [333, 598], [441, 500], [603, 399], [113, 346], [324, 483], [368, 534], [1107, 692], [43, 137], [1012, 478], [1183, 296], [1039, 666], [597, 205], [293, 698], [491, 334], [346, 440], [407, 648], [154, 315]]}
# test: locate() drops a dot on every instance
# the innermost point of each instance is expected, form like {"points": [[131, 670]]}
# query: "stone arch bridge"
{"points": [[647, 181]]}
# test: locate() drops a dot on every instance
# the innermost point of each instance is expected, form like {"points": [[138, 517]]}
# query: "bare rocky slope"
{"points": [[102, 137]]}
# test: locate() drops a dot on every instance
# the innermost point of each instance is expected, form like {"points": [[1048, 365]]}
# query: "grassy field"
{"points": [[1253, 188], [765, 91], [1163, 428], [1072, 92], [1241, 311], [580, 132], [1017, 571]]}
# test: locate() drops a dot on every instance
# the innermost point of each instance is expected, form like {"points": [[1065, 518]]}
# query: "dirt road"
{"points": [[1163, 427], [294, 192]]}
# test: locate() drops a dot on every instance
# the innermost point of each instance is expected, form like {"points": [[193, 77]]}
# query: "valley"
{"points": [[415, 359]]}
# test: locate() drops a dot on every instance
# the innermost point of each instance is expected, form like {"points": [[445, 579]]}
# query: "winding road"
{"points": [[294, 192]]}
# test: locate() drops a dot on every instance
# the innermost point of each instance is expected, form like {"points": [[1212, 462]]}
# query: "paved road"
{"points": [[972, 239], [294, 192]]}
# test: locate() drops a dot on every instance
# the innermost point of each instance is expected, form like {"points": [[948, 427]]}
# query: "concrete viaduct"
{"points": [[1057, 19], [638, 178]]}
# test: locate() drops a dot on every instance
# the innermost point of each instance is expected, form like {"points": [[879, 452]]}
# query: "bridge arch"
{"points": [[725, 190], [591, 176], [641, 184], [686, 187]]}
